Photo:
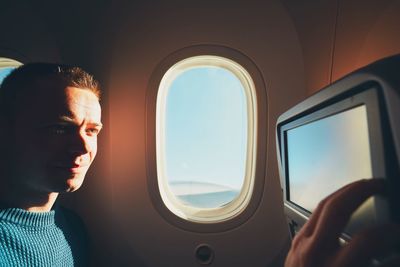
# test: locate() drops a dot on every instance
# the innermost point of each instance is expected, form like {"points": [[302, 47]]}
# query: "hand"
{"points": [[317, 243]]}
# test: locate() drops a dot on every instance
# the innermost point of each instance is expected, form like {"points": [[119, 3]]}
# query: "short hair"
{"points": [[26, 77]]}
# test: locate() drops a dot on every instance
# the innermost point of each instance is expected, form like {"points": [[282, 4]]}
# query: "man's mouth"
{"points": [[72, 168]]}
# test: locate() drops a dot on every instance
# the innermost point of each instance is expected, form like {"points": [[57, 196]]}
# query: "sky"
{"points": [[206, 128], [4, 72]]}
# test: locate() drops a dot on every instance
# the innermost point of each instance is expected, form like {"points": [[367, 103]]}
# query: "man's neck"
{"points": [[30, 201], [42, 204]]}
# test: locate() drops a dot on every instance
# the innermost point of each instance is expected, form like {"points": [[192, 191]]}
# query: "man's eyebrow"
{"points": [[66, 119], [71, 120], [97, 124]]}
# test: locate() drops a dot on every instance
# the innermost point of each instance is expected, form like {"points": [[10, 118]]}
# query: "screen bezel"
{"points": [[363, 95]]}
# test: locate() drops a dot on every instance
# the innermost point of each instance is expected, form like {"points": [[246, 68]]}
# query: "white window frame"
{"points": [[9, 63], [236, 206]]}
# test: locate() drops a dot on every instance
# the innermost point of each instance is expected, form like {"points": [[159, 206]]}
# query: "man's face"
{"points": [[55, 138]]}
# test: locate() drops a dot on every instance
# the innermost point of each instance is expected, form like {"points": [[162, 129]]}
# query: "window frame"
{"points": [[251, 193], [239, 203], [6, 62]]}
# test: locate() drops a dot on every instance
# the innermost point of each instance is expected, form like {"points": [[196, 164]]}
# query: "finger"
{"points": [[338, 208], [368, 244], [310, 226]]}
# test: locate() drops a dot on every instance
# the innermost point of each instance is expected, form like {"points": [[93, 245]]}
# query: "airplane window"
{"points": [[6, 66], [205, 125]]}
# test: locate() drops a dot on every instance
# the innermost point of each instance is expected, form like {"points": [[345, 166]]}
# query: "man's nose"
{"points": [[79, 144]]}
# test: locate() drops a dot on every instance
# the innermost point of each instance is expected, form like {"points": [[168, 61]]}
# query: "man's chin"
{"points": [[73, 184], [67, 181], [66, 184]]}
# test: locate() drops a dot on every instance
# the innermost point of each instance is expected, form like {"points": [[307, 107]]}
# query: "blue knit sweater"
{"points": [[55, 238]]}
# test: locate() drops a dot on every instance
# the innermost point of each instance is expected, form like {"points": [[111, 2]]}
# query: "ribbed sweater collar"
{"points": [[27, 218]]}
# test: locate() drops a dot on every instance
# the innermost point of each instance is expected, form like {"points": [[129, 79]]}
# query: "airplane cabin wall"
{"points": [[298, 46], [261, 30], [366, 31], [340, 36], [315, 26], [25, 35]]}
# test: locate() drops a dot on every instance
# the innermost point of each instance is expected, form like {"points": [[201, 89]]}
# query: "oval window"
{"points": [[206, 138]]}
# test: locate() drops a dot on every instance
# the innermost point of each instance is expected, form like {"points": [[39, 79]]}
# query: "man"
{"points": [[50, 117]]}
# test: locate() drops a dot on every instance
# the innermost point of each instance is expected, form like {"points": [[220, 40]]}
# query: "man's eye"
{"points": [[58, 129], [92, 131]]}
